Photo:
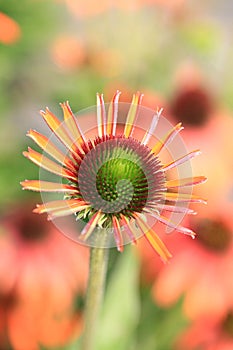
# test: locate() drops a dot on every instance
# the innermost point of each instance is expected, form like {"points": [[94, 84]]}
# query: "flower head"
{"points": [[115, 179]]}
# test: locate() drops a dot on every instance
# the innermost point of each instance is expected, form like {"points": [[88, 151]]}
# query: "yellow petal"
{"points": [[183, 197], [58, 129], [72, 123], [132, 114], [160, 144], [153, 239], [188, 181]]}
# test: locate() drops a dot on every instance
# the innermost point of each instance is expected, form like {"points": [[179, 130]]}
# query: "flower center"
{"points": [[191, 106], [123, 176], [214, 235]]}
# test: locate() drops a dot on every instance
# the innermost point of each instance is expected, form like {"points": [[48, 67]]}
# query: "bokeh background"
{"points": [[179, 53]]}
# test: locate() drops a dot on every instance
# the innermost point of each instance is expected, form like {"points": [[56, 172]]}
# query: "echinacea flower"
{"points": [[208, 334], [38, 286], [115, 179]]}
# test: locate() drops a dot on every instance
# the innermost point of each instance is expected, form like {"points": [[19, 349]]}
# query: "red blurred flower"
{"points": [[41, 271], [201, 269], [10, 31], [211, 128], [207, 334]]}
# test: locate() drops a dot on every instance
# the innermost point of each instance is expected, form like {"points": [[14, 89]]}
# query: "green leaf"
{"points": [[121, 308]]}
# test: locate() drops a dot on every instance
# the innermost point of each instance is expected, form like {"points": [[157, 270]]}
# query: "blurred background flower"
{"points": [[41, 274], [179, 54]]}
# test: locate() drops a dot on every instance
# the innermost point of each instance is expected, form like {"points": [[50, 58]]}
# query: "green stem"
{"points": [[95, 291]]}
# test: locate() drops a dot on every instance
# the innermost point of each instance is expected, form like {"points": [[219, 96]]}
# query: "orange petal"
{"points": [[57, 127], [44, 186], [61, 207], [117, 234], [167, 139], [181, 160], [112, 114], [132, 114], [189, 181], [72, 123], [47, 164], [154, 239], [101, 115], [43, 142], [183, 197], [167, 221]]}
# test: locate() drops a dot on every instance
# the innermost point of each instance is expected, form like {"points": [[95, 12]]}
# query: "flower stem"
{"points": [[95, 291]]}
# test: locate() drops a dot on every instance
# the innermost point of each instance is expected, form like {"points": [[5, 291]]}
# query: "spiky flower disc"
{"points": [[114, 181]]}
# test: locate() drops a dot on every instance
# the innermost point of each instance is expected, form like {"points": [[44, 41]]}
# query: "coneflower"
{"points": [[114, 180]]}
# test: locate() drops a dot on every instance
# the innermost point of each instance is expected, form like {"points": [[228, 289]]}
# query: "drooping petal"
{"points": [[112, 114], [153, 239], [61, 207], [46, 145], [72, 123], [181, 160], [153, 125], [169, 223], [101, 115], [117, 234], [189, 181], [173, 208], [183, 197], [132, 114], [47, 164], [90, 226], [45, 186], [129, 229], [160, 144], [58, 129]]}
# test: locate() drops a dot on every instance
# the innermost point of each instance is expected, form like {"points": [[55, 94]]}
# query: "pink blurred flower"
{"points": [[68, 52], [208, 126], [200, 269], [10, 31], [208, 334], [41, 272]]}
